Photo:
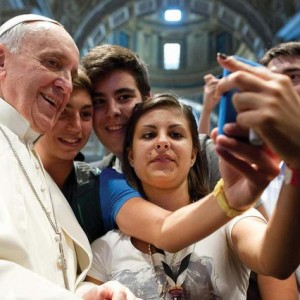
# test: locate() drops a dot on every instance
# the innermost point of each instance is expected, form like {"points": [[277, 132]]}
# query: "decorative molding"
{"points": [[144, 7], [118, 17], [173, 3], [95, 38], [202, 7]]}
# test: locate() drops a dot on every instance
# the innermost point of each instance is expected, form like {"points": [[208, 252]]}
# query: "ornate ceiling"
{"points": [[239, 27], [243, 27], [234, 26], [81, 17]]}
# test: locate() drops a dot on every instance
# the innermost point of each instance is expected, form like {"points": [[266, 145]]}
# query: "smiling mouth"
{"points": [[115, 128], [50, 100], [70, 141]]}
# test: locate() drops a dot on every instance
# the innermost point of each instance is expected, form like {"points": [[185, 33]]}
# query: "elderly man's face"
{"points": [[38, 80]]}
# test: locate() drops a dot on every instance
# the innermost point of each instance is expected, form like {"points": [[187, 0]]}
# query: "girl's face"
{"points": [[162, 152], [72, 130]]}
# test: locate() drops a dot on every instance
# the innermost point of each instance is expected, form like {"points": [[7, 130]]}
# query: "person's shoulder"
{"points": [[112, 237], [250, 213], [87, 167], [203, 137], [8, 133], [103, 163], [205, 141], [85, 172]]}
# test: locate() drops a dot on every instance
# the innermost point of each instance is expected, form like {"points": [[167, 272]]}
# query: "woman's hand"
{"points": [[266, 102], [246, 169]]}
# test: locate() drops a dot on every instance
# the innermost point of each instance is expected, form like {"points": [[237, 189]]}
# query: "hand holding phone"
{"points": [[227, 112]]}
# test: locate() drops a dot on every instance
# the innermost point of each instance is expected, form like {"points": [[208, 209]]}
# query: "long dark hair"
{"points": [[198, 182]]}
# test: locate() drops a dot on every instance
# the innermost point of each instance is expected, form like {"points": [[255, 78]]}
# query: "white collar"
{"points": [[13, 120], [117, 165]]}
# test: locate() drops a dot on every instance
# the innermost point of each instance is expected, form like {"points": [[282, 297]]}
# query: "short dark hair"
{"points": [[288, 50], [104, 59], [198, 182], [82, 81]]}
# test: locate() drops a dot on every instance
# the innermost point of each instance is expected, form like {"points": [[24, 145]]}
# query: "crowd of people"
{"points": [[169, 215]]}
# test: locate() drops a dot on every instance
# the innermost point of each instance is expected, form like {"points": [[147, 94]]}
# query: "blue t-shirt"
{"points": [[114, 193]]}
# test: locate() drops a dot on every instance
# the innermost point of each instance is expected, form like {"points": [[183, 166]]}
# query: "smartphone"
{"points": [[227, 112]]}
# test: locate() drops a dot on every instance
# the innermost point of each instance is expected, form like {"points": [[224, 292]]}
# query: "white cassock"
{"points": [[28, 244]]}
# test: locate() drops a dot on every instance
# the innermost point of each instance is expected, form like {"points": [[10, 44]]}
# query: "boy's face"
{"points": [[114, 99], [72, 130]]}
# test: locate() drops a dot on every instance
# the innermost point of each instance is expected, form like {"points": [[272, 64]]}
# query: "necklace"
{"points": [[176, 291], [61, 261], [162, 288]]}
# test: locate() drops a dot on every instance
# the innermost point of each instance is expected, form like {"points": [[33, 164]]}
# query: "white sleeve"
{"points": [[250, 213], [17, 282], [102, 257]]}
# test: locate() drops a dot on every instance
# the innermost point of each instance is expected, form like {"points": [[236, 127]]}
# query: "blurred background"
{"points": [[178, 39]]}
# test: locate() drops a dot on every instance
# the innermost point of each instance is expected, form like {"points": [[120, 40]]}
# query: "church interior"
{"points": [[177, 39]]}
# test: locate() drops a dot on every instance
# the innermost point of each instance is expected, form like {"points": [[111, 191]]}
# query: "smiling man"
{"points": [[44, 254], [120, 80]]}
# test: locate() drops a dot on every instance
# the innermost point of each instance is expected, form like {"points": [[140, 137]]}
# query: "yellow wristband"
{"points": [[222, 201]]}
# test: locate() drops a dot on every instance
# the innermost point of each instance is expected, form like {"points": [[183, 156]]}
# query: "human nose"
{"points": [[113, 108], [74, 123], [162, 143], [64, 81]]}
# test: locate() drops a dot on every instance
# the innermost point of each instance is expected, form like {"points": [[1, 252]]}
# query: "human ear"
{"points": [[2, 59], [130, 156], [2, 54], [193, 156]]}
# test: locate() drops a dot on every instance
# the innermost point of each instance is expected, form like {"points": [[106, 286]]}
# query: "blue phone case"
{"points": [[227, 112]]}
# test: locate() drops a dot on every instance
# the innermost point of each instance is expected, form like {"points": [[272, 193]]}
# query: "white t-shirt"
{"points": [[214, 270]]}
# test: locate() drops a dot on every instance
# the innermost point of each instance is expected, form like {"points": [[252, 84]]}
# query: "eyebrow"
{"points": [[171, 126], [124, 90], [54, 52], [116, 92], [288, 70], [62, 57]]}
